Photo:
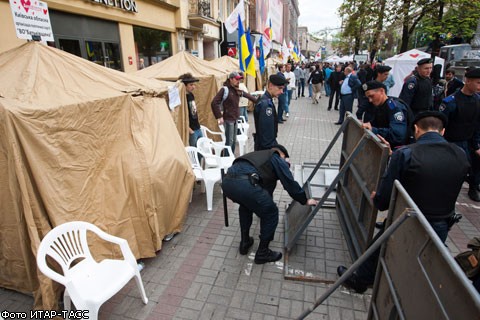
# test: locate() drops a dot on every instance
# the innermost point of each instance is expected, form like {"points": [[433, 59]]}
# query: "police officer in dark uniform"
{"points": [[417, 89], [388, 117], [265, 115], [364, 106], [463, 111], [432, 171], [250, 182]]}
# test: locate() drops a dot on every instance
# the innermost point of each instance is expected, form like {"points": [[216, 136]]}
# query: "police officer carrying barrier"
{"points": [[463, 111], [417, 89], [389, 117], [265, 115], [250, 182], [432, 171]]}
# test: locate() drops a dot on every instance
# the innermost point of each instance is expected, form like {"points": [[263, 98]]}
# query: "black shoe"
{"points": [[353, 282], [264, 254], [338, 123], [280, 121], [336, 109], [244, 246], [329, 109], [473, 194], [267, 255]]}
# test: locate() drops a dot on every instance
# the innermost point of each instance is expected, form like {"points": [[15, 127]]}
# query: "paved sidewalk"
{"points": [[199, 274]]}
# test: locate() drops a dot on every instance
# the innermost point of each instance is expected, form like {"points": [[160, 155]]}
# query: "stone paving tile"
{"points": [[200, 275]]}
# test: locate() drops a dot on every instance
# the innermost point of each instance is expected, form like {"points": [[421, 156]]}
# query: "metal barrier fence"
{"points": [[416, 276], [363, 160]]}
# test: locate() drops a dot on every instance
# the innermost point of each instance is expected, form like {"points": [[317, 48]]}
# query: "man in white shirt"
{"points": [[243, 104], [290, 76]]}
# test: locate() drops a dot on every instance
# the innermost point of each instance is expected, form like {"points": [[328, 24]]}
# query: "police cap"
{"points": [[383, 69], [424, 61], [436, 114], [374, 84], [278, 80], [283, 149], [473, 74]]}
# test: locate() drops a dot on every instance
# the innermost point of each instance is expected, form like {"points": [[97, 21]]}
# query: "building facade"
{"points": [[131, 34]]}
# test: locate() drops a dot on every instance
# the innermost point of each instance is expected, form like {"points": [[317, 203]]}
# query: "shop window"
{"points": [[106, 54], [70, 46], [152, 45]]}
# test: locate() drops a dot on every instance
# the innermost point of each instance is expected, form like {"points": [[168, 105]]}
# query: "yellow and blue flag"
{"points": [[246, 52]]}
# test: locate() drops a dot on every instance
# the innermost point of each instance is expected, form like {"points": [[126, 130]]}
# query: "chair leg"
{"points": [[67, 302], [138, 280], [209, 191]]}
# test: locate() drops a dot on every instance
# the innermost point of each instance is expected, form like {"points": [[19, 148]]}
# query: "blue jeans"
{"points": [[282, 100], [289, 98], [244, 112], [230, 134], [253, 199], [310, 90], [346, 104], [193, 137], [327, 88], [301, 88]]}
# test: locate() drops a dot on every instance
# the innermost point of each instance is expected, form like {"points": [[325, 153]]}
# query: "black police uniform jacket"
{"points": [[266, 123], [417, 94]]}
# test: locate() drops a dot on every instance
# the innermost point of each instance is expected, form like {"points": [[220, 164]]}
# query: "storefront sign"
{"points": [[31, 20], [127, 5]]}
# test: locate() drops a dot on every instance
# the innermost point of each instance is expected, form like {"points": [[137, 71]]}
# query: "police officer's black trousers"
{"points": [[252, 199]]}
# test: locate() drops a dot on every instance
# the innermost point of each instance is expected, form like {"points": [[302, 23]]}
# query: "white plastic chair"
{"points": [[88, 284], [215, 154], [244, 124], [207, 133], [208, 176], [242, 137]]}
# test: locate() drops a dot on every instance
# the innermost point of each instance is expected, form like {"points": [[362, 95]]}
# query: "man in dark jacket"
{"points": [[417, 89], [231, 111], [250, 182], [463, 111], [335, 82], [265, 115], [193, 124]]}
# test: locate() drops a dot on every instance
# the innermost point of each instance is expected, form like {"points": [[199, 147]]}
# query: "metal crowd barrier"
{"points": [[416, 276]]}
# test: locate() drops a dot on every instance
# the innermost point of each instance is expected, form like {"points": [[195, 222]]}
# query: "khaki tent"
{"points": [[227, 63], [211, 80], [81, 142]]}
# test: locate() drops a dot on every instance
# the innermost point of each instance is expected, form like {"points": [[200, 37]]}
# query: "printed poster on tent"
{"points": [[31, 18]]}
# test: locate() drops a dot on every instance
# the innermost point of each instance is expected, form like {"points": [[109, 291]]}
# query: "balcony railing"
{"points": [[200, 7]]}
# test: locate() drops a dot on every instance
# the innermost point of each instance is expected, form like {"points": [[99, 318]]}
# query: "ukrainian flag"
{"points": [[246, 52]]}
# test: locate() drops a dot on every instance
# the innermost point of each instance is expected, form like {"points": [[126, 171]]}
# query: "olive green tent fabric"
{"points": [[82, 142]]}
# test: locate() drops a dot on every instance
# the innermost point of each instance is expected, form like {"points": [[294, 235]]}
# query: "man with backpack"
{"points": [[228, 97]]}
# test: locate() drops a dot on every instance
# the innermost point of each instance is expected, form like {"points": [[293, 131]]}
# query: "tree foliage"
{"points": [[369, 22]]}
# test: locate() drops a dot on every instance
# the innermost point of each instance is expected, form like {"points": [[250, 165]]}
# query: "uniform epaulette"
{"points": [[449, 99], [391, 104]]}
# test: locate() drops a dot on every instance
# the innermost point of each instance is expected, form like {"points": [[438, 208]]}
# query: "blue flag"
{"points": [[261, 62]]}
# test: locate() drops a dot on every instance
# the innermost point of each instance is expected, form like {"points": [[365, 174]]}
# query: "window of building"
{"points": [[152, 45]]}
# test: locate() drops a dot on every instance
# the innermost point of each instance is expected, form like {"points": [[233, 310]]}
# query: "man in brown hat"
{"points": [[463, 111], [194, 125]]}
